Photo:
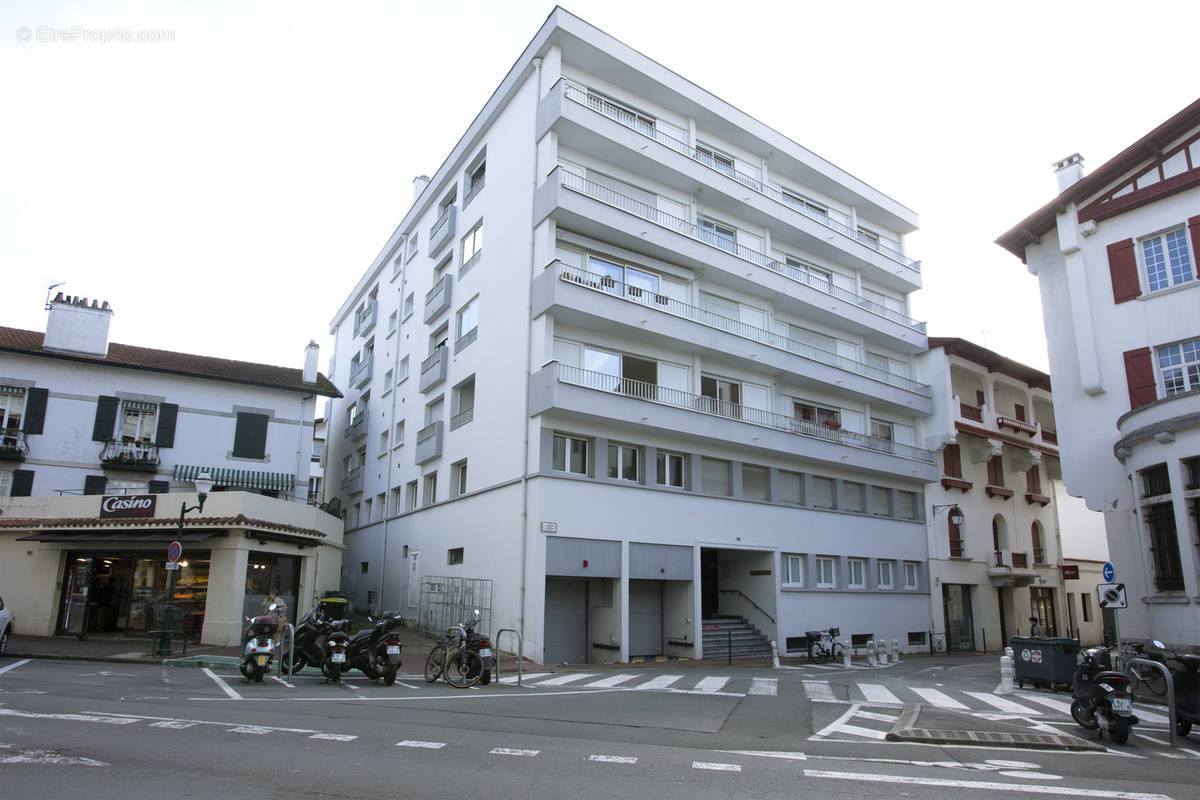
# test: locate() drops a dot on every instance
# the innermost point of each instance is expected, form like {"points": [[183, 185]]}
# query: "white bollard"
{"points": [[775, 654], [883, 654], [846, 653], [896, 651], [1006, 672], [872, 659]]}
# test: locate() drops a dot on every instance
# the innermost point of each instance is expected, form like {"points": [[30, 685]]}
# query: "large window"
{"points": [[716, 233], [468, 323], [570, 455], [1179, 367], [623, 462], [1166, 258], [791, 570], [12, 406], [1164, 547], [472, 247]]}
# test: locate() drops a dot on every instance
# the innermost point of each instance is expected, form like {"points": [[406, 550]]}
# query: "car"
{"points": [[5, 626]]}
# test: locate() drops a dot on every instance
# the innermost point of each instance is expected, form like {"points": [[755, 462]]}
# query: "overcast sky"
{"points": [[225, 186]]}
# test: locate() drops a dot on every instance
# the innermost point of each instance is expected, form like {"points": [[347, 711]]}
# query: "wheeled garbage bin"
{"points": [[1044, 661]]}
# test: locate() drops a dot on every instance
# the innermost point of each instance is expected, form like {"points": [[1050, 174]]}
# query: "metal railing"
{"points": [[520, 653], [712, 406], [742, 594], [427, 433], [361, 371], [439, 224], [712, 238], [607, 285], [141, 455], [620, 115], [462, 418], [14, 445], [365, 320], [475, 189], [431, 363]]}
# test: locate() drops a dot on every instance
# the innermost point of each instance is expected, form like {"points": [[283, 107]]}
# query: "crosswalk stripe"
{"points": [[875, 693], [661, 682], [858, 730], [939, 699], [1002, 703], [569, 677], [713, 683], [421, 745], [1149, 716], [764, 686], [819, 691], [611, 680], [1050, 702], [529, 676]]}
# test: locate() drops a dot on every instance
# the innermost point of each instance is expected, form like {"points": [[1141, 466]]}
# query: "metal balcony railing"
{"points": [[620, 115], [605, 284], [475, 189], [141, 456], [14, 445], [361, 373], [709, 237], [462, 418], [365, 319], [1016, 425], [666, 396]]}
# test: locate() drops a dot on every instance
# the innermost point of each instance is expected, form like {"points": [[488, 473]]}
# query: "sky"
{"points": [[223, 173]]}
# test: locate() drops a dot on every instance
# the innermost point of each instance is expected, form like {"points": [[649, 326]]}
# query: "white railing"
{"points": [[620, 115], [431, 297], [607, 285], [363, 369], [365, 319], [427, 433], [440, 224], [433, 360], [663, 395], [462, 418], [796, 273], [475, 189]]}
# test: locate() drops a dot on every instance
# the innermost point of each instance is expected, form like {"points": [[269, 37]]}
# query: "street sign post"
{"points": [[1112, 595], [174, 551]]}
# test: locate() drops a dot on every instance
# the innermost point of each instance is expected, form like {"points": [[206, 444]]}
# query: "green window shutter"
{"points": [[22, 483], [167, 414], [94, 484], [106, 418], [250, 437], [35, 410]]}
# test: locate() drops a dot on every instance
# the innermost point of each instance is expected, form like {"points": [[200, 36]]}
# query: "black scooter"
{"points": [[333, 660], [1102, 700], [1185, 674], [376, 650], [308, 640]]}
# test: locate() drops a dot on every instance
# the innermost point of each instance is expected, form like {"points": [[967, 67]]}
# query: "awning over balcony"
{"points": [[239, 478]]}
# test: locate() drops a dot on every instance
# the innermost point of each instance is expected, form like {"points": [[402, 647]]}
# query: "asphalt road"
{"points": [[72, 729]]}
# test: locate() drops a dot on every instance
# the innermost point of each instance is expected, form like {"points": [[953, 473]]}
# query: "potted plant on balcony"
{"points": [[831, 423]]}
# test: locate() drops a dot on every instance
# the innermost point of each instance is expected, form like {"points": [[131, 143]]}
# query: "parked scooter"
{"points": [[376, 650], [1185, 674], [481, 644], [1102, 700], [333, 660], [258, 645], [308, 640]]}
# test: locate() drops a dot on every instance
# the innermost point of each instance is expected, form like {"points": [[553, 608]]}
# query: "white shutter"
{"points": [[852, 421], [673, 376]]}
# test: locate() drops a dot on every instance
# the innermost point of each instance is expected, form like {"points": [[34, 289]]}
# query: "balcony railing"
{"points": [[362, 373], [1049, 437], [140, 456], [352, 481], [365, 319], [677, 398], [971, 412], [433, 369], [1016, 425], [13, 445], [358, 426], [651, 214], [429, 443], [462, 418], [475, 189], [442, 229], [607, 285], [437, 299], [623, 117]]}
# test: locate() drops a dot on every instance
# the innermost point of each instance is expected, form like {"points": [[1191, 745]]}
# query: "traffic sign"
{"points": [[1109, 572], [1112, 595], [172, 565], [174, 551]]}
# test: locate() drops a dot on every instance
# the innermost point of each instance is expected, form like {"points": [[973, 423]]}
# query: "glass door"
{"points": [[72, 615]]}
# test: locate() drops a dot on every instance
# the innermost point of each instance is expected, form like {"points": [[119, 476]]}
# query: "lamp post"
{"points": [[203, 486]]}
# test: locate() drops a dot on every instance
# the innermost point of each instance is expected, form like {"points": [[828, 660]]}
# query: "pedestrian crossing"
{"points": [[644, 682]]}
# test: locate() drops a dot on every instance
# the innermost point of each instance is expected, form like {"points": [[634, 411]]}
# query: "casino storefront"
{"points": [[97, 565]]}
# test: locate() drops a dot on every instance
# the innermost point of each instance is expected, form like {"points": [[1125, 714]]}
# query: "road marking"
{"points": [[712, 765], [529, 676], [819, 691], [875, 693], [14, 665], [1030, 788], [661, 682], [837, 723], [224, 686], [764, 686], [512, 751], [421, 745], [1002, 703], [876, 717], [1149, 716], [8, 712], [570, 677], [939, 699], [255, 729], [10, 754], [1057, 705], [173, 724], [713, 683], [334, 737], [613, 759], [408, 685], [127, 718], [281, 680], [610, 681]]}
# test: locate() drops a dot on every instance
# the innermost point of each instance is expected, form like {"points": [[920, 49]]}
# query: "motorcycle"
{"points": [[258, 645], [308, 640], [376, 651], [1185, 675], [481, 644], [1102, 700], [333, 660]]}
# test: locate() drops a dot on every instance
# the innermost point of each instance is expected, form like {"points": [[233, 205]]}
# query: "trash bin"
{"points": [[1044, 661], [335, 607]]}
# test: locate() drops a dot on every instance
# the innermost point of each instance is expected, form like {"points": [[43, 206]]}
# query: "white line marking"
{"points": [[15, 665], [224, 686], [982, 785], [528, 676], [334, 737], [173, 724], [939, 699], [613, 759], [1149, 716], [127, 718], [768, 754], [876, 717], [819, 691], [876, 693], [421, 745], [661, 682], [8, 712], [281, 680], [764, 686], [610, 681], [837, 723], [858, 730], [255, 729], [713, 683], [712, 765], [512, 751], [1002, 703], [569, 677], [408, 685], [1050, 702]]}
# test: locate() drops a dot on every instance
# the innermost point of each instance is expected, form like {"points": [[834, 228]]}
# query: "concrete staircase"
{"points": [[747, 641]]}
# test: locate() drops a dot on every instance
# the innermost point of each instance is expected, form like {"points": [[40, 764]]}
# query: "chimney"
{"points": [[310, 362], [75, 326], [1069, 171], [419, 184]]}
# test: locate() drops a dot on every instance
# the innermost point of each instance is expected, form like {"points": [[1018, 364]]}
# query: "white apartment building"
{"points": [[643, 362], [1116, 254], [102, 443]]}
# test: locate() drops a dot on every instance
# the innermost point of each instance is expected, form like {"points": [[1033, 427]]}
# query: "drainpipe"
{"points": [[391, 432]]}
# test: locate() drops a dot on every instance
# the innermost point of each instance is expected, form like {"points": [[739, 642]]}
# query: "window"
{"points": [[462, 403], [1179, 367], [715, 159], [791, 570], [408, 306], [906, 505], [715, 233], [402, 375], [995, 470], [791, 487], [364, 566], [250, 436], [458, 471], [884, 435], [1086, 601], [468, 323], [623, 462], [1164, 547], [12, 406], [454, 555], [397, 500], [811, 275], [625, 114], [885, 569], [138, 420], [474, 182], [823, 492], [881, 501], [754, 482], [856, 573], [854, 496], [723, 396], [952, 461], [393, 321], [826, 573], [1166, 259], [383, 443], [570, 455], [807, 412], [911, 574], [869, 238], [412, 495], [715, 476], [318, 449], [388, 380], [366, 517], [472, 247], [410, 245], [1033, 480], [1155, 481], [635, 283], [429, 492], [5, 481], [670, 468], [1035, 535], [954, 534], [806, 206]]}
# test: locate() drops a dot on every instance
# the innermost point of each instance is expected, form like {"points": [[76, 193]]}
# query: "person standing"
{"points": [[1035, 627]]}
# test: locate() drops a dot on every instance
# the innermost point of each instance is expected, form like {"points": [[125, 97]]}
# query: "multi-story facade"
{"points": [[1002, 562], [102, 445], [640, 360], [1116, 255]]}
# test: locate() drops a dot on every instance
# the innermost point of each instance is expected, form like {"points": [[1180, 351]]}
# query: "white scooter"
{"points": [[258, 645]]}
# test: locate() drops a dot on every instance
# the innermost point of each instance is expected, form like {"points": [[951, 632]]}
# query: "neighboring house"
{"points": [[316, 475], [102, 440], [1116, 255], [644, 364], [1002, 562]]}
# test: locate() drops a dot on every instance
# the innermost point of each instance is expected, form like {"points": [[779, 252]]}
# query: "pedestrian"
{"points": [[1035, 627]]}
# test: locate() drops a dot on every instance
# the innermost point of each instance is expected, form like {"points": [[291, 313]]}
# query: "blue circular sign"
{"points": [[1109, 572], [174, 551]]}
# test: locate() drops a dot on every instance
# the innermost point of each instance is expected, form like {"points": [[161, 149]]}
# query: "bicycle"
{"points": [[1140, 674], [452, 659], [824, 646]]}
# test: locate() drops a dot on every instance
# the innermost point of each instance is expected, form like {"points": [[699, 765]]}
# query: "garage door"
{"points": [[566, 621], [645, 618]]}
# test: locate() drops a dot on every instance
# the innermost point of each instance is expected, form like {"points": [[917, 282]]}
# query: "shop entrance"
{"points": [[956, 605]]}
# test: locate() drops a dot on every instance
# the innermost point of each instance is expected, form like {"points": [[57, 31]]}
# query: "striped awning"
{"points": [[239, 478], [12, 390], [139, 405]]}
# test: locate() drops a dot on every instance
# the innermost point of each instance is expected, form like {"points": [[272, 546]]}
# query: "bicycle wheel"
{"points": [[463, 669], [433, 664], [1155, 683], [815, 654]]}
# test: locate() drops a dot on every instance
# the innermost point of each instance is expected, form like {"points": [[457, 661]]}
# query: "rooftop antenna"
{"points": [[50, 289]]}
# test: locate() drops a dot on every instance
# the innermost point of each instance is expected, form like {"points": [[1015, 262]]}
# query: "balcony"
{"points": [[429, 443], [433, 369], [14, 445], [462, 418], [442, 229], [437, 299], [580, 117], [352, 481], [596, 210], [365, 320], [598, 301], [360, 374], [357, 428], [580, 392], [1016, 425], [1050, 437], [1010, 568], [974, 413], [139, 456]]}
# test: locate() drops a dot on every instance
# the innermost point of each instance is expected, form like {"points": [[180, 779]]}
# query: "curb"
{"points": [[905, 730]]}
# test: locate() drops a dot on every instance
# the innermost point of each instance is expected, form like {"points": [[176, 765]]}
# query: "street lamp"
{"points": [[956, 515], [204, 485]]}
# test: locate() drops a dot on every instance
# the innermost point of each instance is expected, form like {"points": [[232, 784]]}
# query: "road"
{"points": [[72, 728]]}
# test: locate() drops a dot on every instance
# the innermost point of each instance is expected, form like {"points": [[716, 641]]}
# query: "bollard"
{"points": [[896, 651], [883, 654], [872, 659], [1006, 673], [846, 653], [775, 654]]}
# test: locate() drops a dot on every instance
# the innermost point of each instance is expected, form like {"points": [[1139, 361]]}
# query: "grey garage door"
{"points": [[645, 618], [566, 621]]}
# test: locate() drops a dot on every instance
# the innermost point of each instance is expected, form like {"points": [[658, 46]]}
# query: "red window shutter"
{"points": [[1139, 374], [1019, 412], [995, 471], [952, 461], [1194, 232], [1033, 480], [1122, 266], [979, 398], [956, 543]]}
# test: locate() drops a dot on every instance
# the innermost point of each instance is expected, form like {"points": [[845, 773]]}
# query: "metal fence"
{"points": [[447, 601]]}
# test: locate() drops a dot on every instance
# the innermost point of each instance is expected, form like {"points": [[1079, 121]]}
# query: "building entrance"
{"points": [[956, 604]]}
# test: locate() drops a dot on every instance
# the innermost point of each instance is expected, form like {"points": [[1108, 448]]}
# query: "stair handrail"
{"points": [[761, 610]]}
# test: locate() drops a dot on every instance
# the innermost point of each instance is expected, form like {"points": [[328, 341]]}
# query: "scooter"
{"points": [[376, 651], [258, 646], [1185, 675], [308, 640], [1102, 700], [481, 644], [333, 660]]}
